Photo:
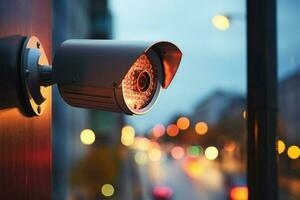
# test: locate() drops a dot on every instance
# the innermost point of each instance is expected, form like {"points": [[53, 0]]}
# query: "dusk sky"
{"points": [[212, 59]]}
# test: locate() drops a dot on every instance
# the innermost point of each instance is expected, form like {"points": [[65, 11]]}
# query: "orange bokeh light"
{"points": [[293, 152], [158, 130], [280, 146], [201, 128], [177, 152], [183, 123], [172, 130], [239, 193], [229, 146]]}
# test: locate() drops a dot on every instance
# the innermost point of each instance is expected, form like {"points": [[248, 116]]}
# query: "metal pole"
{"points": [[262, 99]]}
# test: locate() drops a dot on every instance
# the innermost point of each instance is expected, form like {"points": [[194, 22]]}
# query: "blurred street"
{"points": [[171, 173], [208, 184]]}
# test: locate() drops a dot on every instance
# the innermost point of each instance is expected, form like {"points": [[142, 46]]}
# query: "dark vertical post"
{"points": [[262, 99]]}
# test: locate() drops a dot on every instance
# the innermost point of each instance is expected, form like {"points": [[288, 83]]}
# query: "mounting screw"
{"points": [[38, 45], [39, 109], [27, 72]]}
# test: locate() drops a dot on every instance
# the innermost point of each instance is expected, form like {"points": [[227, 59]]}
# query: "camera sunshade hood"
{"points": [[103, 55]]}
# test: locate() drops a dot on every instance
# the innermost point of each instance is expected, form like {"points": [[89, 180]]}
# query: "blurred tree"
{"points": [[100, 166]]}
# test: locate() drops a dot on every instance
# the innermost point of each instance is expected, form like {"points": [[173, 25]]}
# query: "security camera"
{"points": [[117, 76]]}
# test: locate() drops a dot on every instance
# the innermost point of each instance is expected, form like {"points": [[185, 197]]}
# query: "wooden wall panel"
{"points": [[25, 143]]}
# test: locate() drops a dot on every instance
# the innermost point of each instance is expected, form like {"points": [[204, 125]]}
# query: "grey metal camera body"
{"points": [[117, 76], [114, 75]]}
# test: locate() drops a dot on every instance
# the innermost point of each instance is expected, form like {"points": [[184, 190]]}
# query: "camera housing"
{"points": [[115, 76]]}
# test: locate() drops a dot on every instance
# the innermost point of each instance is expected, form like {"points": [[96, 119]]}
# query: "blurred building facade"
{"points": [[78, 19], [288, 132], [223, 112], [289, 107], [218, 106]]}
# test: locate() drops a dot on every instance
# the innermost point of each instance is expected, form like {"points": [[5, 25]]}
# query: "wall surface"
{"points": [[25, 143]]}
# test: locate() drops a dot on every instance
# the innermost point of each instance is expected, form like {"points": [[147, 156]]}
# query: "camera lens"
{"points": [[139, 84], [143, 81]]}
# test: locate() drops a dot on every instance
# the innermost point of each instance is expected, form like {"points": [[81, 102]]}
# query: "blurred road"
{"points": [[193, 180]]}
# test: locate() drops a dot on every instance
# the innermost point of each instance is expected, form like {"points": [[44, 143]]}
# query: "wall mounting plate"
{"points": [[33, 57]]}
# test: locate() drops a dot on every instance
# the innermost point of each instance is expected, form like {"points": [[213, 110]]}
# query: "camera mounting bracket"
{"points": [[35, 77]]}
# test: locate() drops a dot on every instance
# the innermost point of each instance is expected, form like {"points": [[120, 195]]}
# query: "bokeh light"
{"points": [[245, 114], [183, 123], [154, 144], [211, 153], [239, 193], [127, 135], [107, 190], [87, 136], [172, 130], [280, 146], [154, 155], [141, 143], [229, 146], [177, 152], [201, 128], [141, 158], [221, 22], [158, 130], [293, 152], [193, 168], [194, 151], [128, 131], [163, 192], [126, 141]]}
